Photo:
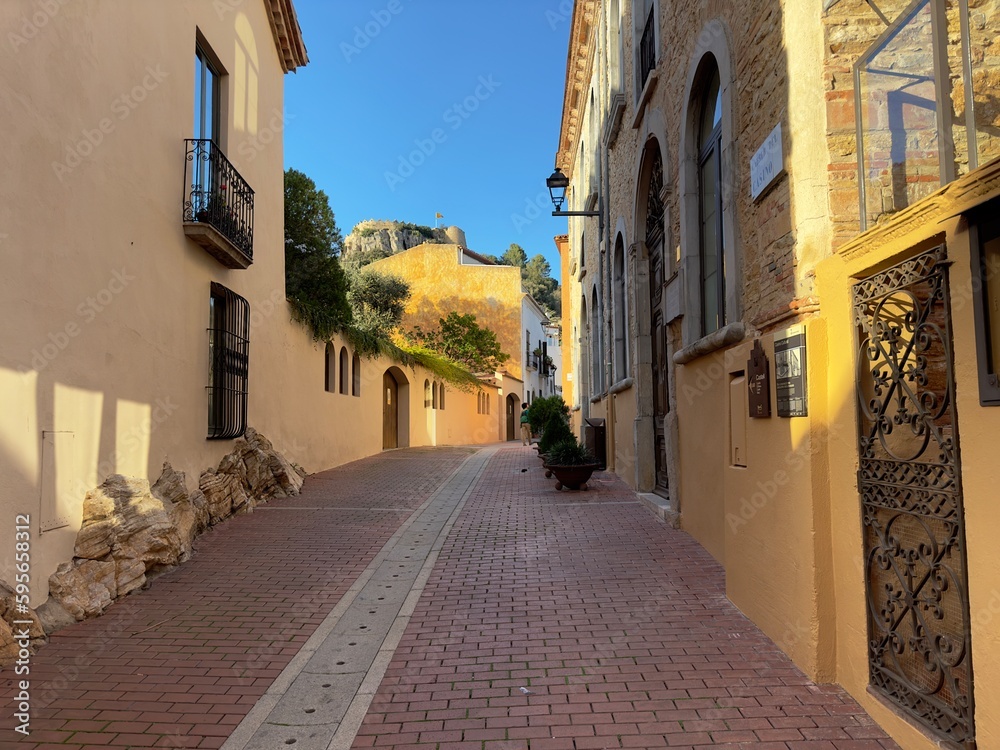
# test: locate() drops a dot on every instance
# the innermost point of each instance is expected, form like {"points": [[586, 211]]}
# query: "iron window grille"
{"points": [[647, 50], [216, 194], [229, 345]]}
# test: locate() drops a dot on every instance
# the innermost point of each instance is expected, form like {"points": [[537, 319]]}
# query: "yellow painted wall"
{"points": [[782, 491], [439, 284], [624, 435]]}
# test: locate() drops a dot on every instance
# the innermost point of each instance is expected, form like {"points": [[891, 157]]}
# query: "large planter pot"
{"points": [[572, 477]]}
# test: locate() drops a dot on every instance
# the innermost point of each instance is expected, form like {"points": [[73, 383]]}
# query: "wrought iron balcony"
{"points": [[647, 50], [218, 204]]}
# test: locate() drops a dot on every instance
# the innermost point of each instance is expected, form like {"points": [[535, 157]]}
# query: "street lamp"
{"points": [[557, 184]]}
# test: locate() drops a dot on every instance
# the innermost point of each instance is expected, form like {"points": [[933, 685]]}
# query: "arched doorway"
{"points": [[513, 417], [390, 411], [395, 409]]}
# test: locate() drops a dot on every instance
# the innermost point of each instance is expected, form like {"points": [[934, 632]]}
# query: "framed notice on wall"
{"points": [[790, 372]]}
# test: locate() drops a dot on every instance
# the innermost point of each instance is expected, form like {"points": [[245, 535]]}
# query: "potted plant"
{"points": [[571, 463]]}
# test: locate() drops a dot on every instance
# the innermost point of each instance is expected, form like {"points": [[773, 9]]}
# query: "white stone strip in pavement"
{"points": [[320, 699]]}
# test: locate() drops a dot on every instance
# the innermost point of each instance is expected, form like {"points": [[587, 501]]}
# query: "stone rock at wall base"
{"points": [[54, 616], [84, 588], [224, 494], [130, 574]]}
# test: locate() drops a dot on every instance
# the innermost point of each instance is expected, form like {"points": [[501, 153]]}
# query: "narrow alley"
{"points": [[440, 599]]}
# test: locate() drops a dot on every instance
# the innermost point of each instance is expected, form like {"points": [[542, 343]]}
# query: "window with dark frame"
{"points": [[984, 226], [345, 372], [206, 96], [329, 376], [229, 346], [711, 244], [356, 375]]}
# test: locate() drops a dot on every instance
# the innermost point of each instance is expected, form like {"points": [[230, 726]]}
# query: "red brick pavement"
{"points": [[181, 664], [618, 624]]}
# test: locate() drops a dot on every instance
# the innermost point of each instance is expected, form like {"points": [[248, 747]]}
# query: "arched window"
{"points": [[441, 397], [479, 404], [620, 318], [711, 241], [330, 369], [427, 394], [583, 249], [596, 377], [345, 372], [356, 375], [434, 395]]}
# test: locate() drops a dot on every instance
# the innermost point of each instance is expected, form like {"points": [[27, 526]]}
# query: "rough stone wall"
{"points": [[765, 237], [375, 239]]}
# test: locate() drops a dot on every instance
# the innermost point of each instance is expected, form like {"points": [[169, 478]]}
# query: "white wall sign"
{"points": [[768, 164]]}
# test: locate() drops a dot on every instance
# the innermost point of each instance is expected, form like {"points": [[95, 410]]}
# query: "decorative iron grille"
{"points": [[647, 50], [216, 194], [909, 478], [229, 364], [654, 200]]}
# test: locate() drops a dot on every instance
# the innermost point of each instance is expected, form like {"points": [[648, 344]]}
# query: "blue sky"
{"points": [[414, 107]]}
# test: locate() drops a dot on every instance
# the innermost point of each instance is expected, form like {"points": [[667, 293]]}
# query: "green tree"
{"points": [[462, 340], [538, 282], [378, 302], [315, 284], [514, 256]]}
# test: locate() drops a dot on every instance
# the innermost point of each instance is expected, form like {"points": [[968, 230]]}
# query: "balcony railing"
{"points": [[647, 50], [218, 204]]}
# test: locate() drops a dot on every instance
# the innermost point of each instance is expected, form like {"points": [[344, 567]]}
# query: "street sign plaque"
{"points": [[759, 382]]}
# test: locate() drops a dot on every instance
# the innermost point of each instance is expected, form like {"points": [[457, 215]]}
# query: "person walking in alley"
{"points": [[525, 426]]}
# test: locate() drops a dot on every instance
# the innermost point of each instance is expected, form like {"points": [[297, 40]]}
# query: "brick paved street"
{"points": [[180, 665], [617, 624]]}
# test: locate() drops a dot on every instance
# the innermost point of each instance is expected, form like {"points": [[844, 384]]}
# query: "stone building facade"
{"points": [[754, 167]]}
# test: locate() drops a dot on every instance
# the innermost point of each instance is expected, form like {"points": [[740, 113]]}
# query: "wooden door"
{"points": [[390, 411], [512, 418]]}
